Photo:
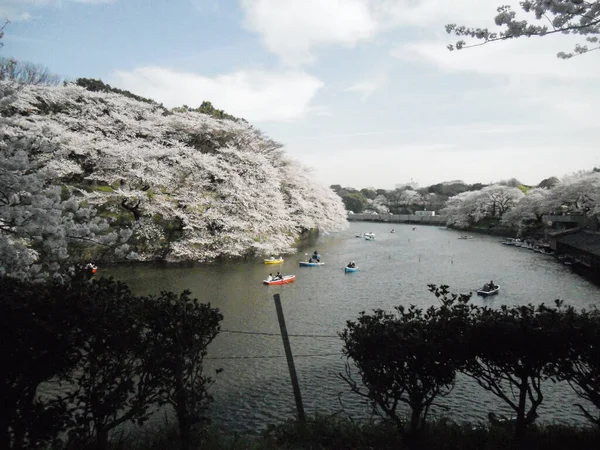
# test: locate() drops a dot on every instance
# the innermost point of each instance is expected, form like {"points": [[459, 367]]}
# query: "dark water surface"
{"points": [[254, 388]]}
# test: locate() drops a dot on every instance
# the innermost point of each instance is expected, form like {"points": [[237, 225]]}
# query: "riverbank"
{"points": [[398, 218], [414, 219], [496, 231], [342, 432]]}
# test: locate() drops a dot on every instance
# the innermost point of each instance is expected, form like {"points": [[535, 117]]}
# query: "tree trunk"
{"points": [[183, 416], [415, 420], [521, 423], [184, 427], [102, 439]]}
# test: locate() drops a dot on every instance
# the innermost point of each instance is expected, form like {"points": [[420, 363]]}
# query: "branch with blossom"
{"points": [[557, 16]]}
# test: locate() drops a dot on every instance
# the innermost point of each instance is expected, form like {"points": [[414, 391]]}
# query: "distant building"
{"points": [[582, 248], [413, 184], [561, 222], [425, 213]]}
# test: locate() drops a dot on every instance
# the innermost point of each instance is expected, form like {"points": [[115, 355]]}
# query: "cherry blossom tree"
{"points": [[492, 202], [500, 199], [410, 197], [578, 194], [529, 211], [462, 210], [130, 179], [378, 204], [554, 16], [39, 220]]}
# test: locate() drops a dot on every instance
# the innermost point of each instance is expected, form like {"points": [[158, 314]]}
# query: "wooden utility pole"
{"points": [[290, 358]]}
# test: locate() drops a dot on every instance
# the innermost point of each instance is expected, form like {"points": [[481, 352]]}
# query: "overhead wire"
{"points": [[273, 356], [261, 333]]}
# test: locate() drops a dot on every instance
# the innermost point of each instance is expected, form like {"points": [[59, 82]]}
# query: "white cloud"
{"points": [[19, 10], [369, 85], [366, 88], [254, 95], [291, 28]]}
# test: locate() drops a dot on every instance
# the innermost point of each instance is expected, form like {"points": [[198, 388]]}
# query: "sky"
{"points": [[364, 92]]}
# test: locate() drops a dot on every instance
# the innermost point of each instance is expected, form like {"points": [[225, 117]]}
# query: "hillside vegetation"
{"points": [[98, 175]]}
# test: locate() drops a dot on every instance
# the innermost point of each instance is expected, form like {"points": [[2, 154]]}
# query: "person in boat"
{"points": [[491, 286], [90, 269], [278, 276], [316, 257], [352, 265], [310, 259], [270, 277]]}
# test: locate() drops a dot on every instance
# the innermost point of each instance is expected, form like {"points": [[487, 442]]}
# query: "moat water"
{"points": [[254, 388]]}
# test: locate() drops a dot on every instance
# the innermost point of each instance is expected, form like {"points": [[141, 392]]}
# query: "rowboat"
{"points": [[274, 261], [486, 293], [350, 269], [286, 279], [310, 264]]}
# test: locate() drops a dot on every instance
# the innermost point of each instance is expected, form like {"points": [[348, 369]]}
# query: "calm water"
{"points": [[254, 388]]}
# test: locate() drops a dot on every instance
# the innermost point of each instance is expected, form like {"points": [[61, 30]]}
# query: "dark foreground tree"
{"points": [[581, 365], [513, 351], [409, 357], [554, 16], [36, 346], [114, 376], [180, 330]]}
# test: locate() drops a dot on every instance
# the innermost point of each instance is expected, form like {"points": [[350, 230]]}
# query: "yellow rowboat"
{"points": [[274, 261]]}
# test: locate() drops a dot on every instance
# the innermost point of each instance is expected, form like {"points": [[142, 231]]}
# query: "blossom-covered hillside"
{"points": [[124, 179]]}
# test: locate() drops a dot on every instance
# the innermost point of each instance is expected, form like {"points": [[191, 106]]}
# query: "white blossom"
{"points": [[468, 208], [96, 175]]}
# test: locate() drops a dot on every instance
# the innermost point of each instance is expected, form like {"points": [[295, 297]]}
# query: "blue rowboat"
{"points": [[351, 269], [310, 264]]}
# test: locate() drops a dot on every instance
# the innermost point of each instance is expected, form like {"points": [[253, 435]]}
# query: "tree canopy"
{"points": [[207, 107], [116, 356]]}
